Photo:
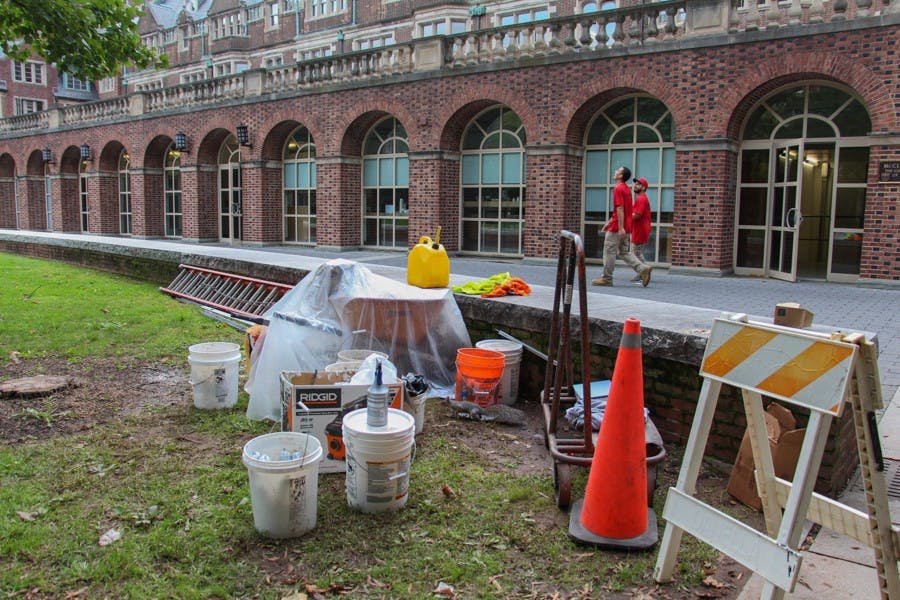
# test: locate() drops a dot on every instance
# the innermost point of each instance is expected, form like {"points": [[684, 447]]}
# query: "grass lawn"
{"points": [[125, 450]]}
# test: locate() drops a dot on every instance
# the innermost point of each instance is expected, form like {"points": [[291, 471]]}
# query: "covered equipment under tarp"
{"points": [[343, 305]]}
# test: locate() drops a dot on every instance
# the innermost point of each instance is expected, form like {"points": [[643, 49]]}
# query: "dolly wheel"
{"points": [[562, 484]]}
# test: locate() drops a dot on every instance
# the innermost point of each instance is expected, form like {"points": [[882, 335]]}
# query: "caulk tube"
{"points": [[377, 402]]}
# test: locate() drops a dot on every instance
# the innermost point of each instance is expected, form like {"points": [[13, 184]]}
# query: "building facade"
{"points": [[769, 133]]}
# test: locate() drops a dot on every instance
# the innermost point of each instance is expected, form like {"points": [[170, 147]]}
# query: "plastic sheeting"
{"points": [[343, 305]]}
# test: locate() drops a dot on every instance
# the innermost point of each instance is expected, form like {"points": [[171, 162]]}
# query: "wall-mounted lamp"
{"points": [[86, 152], [243, 136], [180, 142], [47, 155]]}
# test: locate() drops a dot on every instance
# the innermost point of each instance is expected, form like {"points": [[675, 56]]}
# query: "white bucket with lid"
{"points": [[508, 389], [283, 491], [378, 461], [214, 374]]}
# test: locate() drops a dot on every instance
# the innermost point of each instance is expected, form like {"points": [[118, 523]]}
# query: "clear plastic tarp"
{"points": [[343, 305]]}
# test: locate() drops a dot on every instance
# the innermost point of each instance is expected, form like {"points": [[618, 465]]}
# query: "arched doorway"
{"points": [[230, 200], [172, 211], [299, 188], [802, 179], [124, 177]]}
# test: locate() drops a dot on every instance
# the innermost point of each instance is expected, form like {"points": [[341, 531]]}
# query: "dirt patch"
{"points": [[104, 391], [101, 391]]}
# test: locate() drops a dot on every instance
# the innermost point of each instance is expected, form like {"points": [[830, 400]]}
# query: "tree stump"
{"points": [[29, 387]]}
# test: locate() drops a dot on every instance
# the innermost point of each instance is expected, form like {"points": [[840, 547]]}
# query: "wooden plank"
{"points": [[687, 476], [775, 562], [829, 513]]}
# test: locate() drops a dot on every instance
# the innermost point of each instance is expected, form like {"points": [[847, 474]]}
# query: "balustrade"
{"points": [[583, 34]]}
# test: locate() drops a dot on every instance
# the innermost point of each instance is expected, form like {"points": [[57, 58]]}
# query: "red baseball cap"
{"points": [[641, 181]]}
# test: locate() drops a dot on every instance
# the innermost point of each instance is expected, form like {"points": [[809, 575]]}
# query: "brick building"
{"points": [[769, 133]]}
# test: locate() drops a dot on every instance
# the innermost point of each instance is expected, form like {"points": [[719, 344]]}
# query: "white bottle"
{"points": [[377, 402]]}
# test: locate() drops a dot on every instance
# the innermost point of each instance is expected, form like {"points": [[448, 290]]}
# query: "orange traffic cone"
{"points": [[614, 511]]}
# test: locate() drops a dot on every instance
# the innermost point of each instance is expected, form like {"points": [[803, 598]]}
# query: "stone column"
{"points": [[703, 229], [200, 203], [434, 196], [8, 203], [32, 214], [147, 199], [552, 197], [103, 202], [339, 202], [261, 198], [881, 226], [66, 203]]}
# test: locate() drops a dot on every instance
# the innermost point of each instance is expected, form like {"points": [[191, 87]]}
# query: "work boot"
{"points": [[601, 281], [645, 276]]}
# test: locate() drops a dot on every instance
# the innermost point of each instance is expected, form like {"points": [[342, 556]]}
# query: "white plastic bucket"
{"points": [[284, 493], [358, 355], [415, 406], [378, 461], [508, 390], [214, 374], [345, 368]]}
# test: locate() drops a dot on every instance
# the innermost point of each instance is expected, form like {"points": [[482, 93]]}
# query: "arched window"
{"points": [[636, 132], [493, 183], [124, 193], [83, 194], [386, 185], [299, 185], [172, 192], [230, 201]]}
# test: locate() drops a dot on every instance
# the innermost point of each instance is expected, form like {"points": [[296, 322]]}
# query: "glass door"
{"points": [[230, 202], [784, 214]]}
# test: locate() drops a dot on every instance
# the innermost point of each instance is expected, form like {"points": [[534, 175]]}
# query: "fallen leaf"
{"points": [[371, 582], [27, 516], [295, 596], [447, 491], [711, 582], [113, 535], [443, 590], [76, 593]]}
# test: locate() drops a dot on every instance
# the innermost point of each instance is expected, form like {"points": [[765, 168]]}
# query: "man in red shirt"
{"points": [[641, 219], [616, 243]]}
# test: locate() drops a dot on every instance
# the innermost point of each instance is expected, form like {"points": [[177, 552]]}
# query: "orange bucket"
{"points": [[478, 373]]}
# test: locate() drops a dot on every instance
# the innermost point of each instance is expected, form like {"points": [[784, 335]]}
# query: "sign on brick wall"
{"points": [[889, 171]]}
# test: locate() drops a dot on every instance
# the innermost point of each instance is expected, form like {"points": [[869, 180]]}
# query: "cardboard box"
{"points": [[791, 314], [784, 443], [327, 399]]}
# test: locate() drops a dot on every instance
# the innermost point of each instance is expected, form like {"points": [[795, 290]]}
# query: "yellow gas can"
{"points": [[428, 265]]}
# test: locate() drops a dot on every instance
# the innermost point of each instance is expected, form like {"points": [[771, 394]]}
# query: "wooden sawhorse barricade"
{"points": [[810, 370]]}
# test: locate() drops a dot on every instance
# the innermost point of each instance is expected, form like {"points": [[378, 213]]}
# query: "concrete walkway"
{"points": [[835, 566]]}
